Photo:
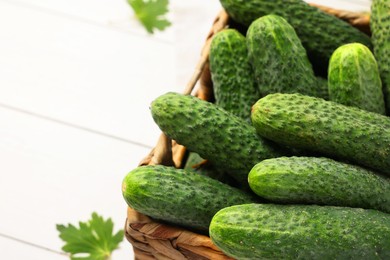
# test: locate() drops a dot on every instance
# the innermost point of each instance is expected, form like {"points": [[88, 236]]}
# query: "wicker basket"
{"points": [[154, 240]]}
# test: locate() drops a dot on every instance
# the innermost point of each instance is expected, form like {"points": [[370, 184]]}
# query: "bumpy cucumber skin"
{"points": [[354, 78], [323, 181], [278, 58], [334, 130], [319, 32], [178, 196], [269, 231], [231, 73], [227, 141], [380, 28]]}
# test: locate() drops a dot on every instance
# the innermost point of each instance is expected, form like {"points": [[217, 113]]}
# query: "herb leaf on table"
{"points": [[151, 13], [93, 239]]}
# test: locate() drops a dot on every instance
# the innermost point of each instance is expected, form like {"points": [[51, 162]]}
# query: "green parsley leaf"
{"points": [[92, 240], [151, 13]]}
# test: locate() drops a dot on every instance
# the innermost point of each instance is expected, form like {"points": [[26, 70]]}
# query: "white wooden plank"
{"points": [[52, 174], [83, 74], [111, 14], [192, 22], [12, 250]]}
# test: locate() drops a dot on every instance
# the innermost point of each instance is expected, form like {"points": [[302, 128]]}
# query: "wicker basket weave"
{"points": [[154, 240]]}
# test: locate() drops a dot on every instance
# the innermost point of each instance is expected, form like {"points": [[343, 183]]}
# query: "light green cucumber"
{"points": [[321, 34], [329, 128], [323, 181], [227, 141], [178, 196], [270, 231], [380, 28], [354, 78], [278, 58], [231, 73]]}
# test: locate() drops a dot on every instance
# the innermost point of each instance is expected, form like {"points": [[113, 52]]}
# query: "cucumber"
{"points": [[278, 58], [321, 34], [231, 73], [227, 141], [354, 78], [380, 28], [310, 180], [178, 196], [334, 130], [269, 231]]}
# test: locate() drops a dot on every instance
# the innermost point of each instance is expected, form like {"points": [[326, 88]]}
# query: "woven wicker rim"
{"points": [[154, 240]]}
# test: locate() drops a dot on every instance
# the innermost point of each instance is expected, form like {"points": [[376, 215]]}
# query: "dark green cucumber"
{"points": [[319, 32], [231, 73], [178, 196], [269, 231], [227, 141], [332, 129], [354, 78], [380, 28], [310, 180], [278, 58]]}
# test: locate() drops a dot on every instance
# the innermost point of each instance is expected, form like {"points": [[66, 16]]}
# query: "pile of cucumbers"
{"points": [[297, 141]]}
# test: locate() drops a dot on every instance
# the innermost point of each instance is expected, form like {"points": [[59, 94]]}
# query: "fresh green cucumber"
{"points": [[332, 129], [319, 32], [380, 28], [354, 78], [310, 180], [278, 58], [231, 73], [269, 231], [178, 196], [227, 141]]}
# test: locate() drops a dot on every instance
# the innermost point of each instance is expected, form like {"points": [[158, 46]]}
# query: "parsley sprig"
{"points": [[151, 13], [92, 240]]}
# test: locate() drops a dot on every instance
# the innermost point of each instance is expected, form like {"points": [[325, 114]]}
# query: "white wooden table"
{"points": [[76, 81]]}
